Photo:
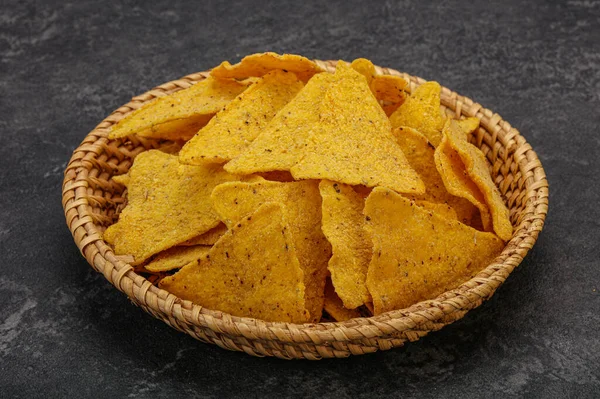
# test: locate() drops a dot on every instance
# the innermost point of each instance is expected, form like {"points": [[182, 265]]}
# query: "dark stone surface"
{"points": [[66, 332]]}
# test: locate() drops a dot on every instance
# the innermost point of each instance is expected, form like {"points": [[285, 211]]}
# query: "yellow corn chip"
{"points": [[457, 182], [390, 108], [353, 143], [302, 201], [343, 226], [365, 68], [180, 115], [420, 154], [418, 255], [335, 308], [262, 63], [478, 172], [252, 271], [110, 235], [232, 130], [168, 203], [176, 258], [389, 88], [466, 126], [208, 238], [421, 111], [386, 88], [122, 179], [282, 142], [443, 210]]}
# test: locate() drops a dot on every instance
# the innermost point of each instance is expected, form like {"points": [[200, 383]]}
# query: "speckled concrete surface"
{"points": [[65, 332]]}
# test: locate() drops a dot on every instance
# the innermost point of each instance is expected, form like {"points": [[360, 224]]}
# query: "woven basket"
{"points": [[92, 201]]}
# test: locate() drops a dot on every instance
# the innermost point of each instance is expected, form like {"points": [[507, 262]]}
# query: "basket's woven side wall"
{"points": [[91, 201]]}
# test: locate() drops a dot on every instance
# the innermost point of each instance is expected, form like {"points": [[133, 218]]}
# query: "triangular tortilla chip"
{"points": [[232, 130], [342, 224], [421, 156], [418, 255], [386, 88], [168, 203], [282, 142], [303, 210], [208, 238], [389, 88], [180, 115], [335, 308], [476, 167], [364, 67], [122, 179], [443, 210], [421, 111], [176, 258], [390, 108], [243, 276], [262, 63], [457, 182], [467, 127], [353, 142]]}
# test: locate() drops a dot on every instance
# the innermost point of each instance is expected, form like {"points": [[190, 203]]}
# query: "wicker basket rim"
{"points": [[418, 316]]}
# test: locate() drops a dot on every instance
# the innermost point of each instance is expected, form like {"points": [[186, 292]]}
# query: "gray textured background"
{"points": [[65, 332]]}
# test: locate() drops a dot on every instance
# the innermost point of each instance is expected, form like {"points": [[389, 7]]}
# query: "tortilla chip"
{"points": [[335, 308], [262, 63], [110, 236], [176, 258], [180, 115], [421, 111], [353, 143], [302, 201], [168, 203], [421, 156], [281, 144], [389, 88], [384, 87], [342, 224], [208, 238], [121, 179], [467, 126], [418, 255], [232, 130], [365, 68], [457, 182], [390, 108], [443, 210], [252, 271], [476, 167]]}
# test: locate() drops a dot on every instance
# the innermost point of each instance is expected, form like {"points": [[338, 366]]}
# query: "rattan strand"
{"points": [[91, 202]]}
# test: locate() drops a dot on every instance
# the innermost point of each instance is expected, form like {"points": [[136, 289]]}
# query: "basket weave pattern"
{"points": [[92, 201]]}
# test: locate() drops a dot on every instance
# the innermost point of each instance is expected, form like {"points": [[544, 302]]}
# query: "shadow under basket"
{"points": [[92, 201]]}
